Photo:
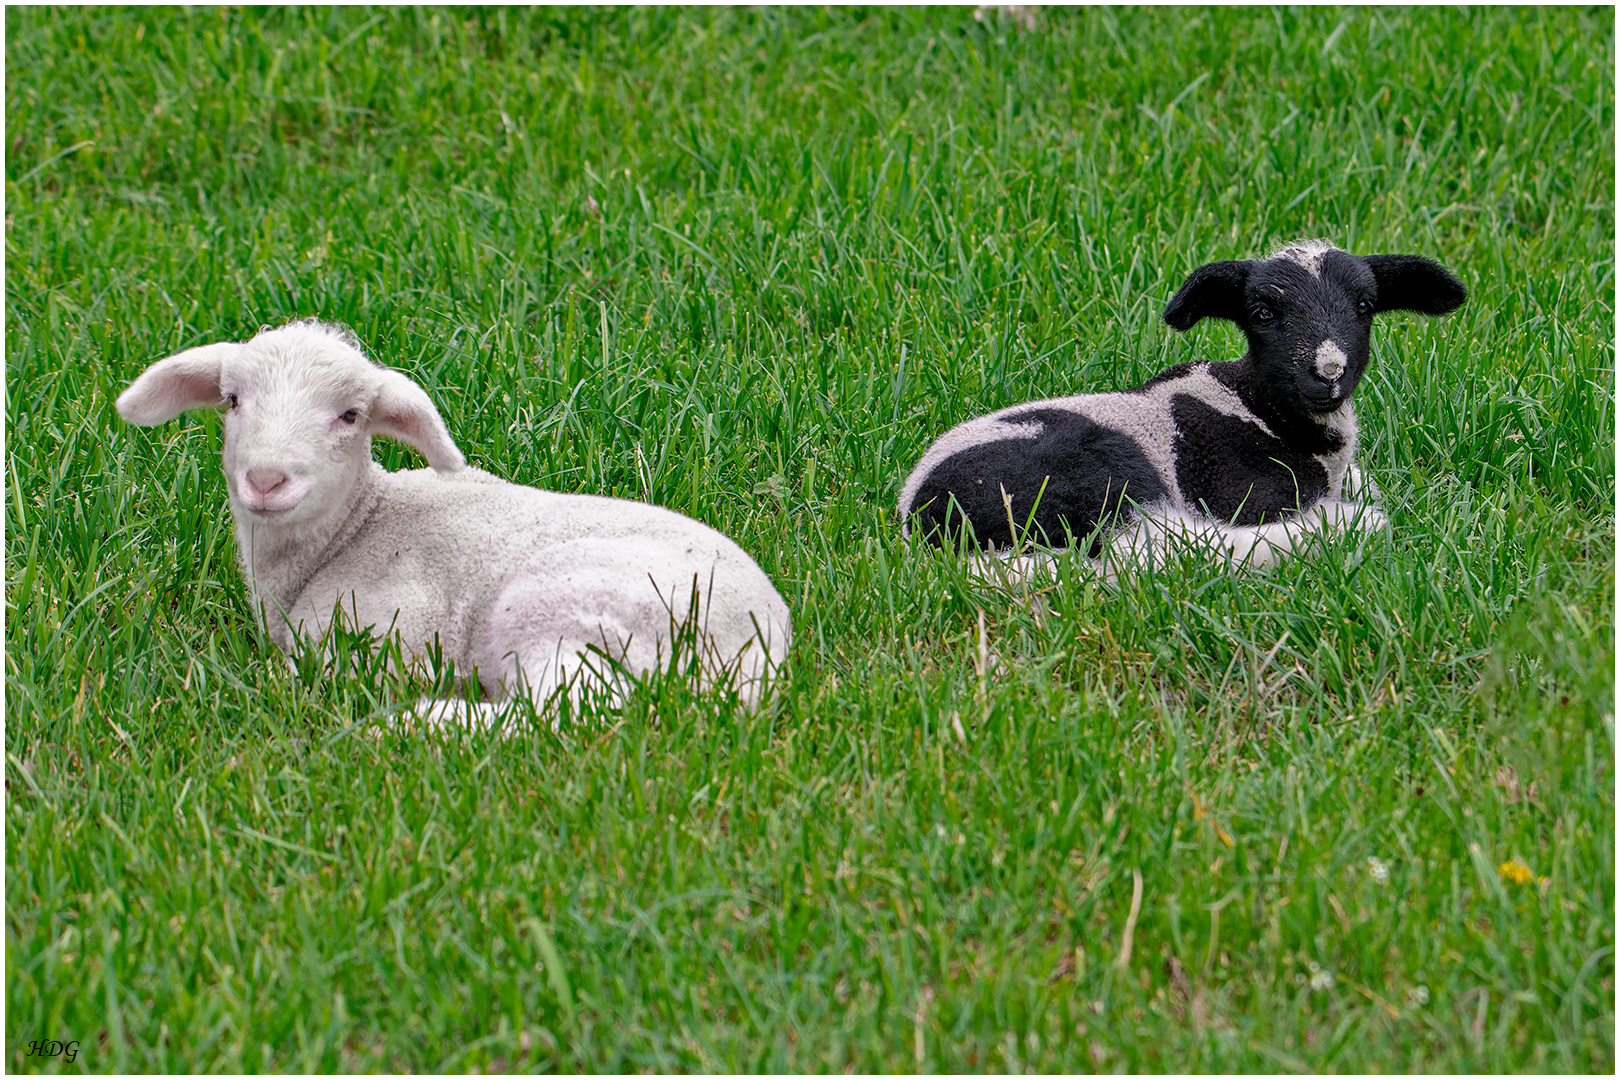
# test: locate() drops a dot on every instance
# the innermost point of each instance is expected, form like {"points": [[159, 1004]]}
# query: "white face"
{"points": [[296, 434]]}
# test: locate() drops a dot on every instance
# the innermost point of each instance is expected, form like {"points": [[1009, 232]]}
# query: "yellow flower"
{"points": [[1515, 872]]}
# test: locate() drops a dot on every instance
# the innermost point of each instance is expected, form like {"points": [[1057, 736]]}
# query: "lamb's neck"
{"points": [[1341, 422], [279, 560], [1314, 433]]}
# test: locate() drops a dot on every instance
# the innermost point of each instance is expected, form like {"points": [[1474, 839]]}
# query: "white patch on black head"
{"points": [[1306, 253], [1330, 360]]}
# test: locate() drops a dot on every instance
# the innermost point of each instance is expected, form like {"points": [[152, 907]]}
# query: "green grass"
{"points": [[748, 265]]}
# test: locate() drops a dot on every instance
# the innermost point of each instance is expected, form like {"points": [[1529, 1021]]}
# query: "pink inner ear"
{"points": [[405, 412], [168, 389], [192, 391], [402, 424]]}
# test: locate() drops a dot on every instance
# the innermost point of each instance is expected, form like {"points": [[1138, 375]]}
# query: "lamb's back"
{"points": [[438, 550], [1141, 414]]}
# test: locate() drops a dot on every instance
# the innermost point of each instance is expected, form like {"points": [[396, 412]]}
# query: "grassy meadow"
{"points": [[1352, 814]]}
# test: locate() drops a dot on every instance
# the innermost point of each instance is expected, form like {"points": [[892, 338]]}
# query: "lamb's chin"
{"points": [[273, 519], [290, 522], [1324, 409]]}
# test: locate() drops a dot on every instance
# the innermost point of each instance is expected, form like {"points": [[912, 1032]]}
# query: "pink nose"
{"points": [[262, 482]]}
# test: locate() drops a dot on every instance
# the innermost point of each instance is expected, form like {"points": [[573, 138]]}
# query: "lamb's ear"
{"points": [[1213, 291], [186, 380], [402, 410], [1413, 283]]}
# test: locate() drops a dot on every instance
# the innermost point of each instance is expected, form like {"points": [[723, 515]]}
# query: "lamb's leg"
{"points": [[1269, 544], [1152, 538], [539, 679], [569, 667], [1010, 570], [1359, 488], [1155, 535], [454, 715]]}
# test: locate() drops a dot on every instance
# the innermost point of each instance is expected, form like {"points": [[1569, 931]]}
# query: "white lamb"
{"points": [[537, 591]]}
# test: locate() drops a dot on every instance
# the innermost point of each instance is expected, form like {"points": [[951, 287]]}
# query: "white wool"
{"points": [[1160, 533], [539, 591], [1307, 253]]}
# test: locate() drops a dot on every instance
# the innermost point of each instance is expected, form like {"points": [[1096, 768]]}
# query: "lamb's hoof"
{"points": [[452, 717]]}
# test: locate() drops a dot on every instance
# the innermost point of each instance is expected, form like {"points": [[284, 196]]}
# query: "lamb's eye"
{"points": [[1264, 314], [350, 417], [230, 401], [1364, 307]]}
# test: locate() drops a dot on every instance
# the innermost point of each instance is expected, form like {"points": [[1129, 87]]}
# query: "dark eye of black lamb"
{"points": [[1364, 307], [1264, 314], [350, 416]]}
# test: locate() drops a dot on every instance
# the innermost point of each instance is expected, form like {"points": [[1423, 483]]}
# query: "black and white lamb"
{"points": [[1247, 455], [538, 591]]}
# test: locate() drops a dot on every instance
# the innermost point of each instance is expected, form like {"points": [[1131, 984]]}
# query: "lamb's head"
{"points": [[1307, 312], [301, 403]]}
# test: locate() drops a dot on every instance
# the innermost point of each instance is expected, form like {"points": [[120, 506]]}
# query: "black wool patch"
{"points": [[1087, 470], [1236, 471], [1297, 429]]}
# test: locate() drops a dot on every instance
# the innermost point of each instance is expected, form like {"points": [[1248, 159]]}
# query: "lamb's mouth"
{"points": [[1327, 402], [268, 513]]}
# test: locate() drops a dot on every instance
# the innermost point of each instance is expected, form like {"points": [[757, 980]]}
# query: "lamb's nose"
{"points": [[1330, 360], [264, 481]]}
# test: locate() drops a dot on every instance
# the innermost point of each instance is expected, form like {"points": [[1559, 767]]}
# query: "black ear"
{"points": [[1213, 291], [1413, 283]]}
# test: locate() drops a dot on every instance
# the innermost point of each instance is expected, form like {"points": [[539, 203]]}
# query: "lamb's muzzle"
{"points": [[1210, 448], [536, 591]]}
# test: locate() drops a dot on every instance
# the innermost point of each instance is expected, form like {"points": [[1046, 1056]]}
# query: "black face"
{"points": [[1309, 332], [1308, 313]]}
